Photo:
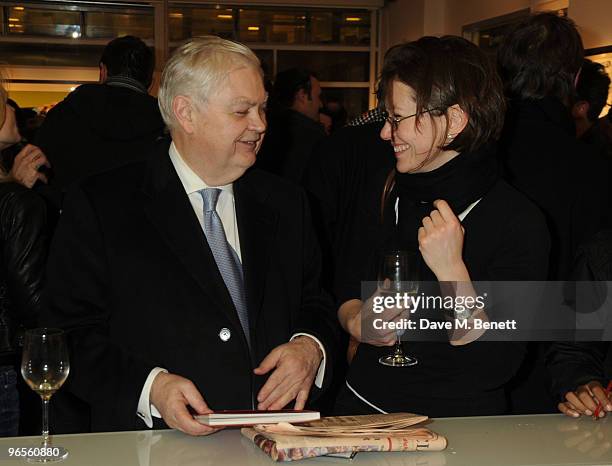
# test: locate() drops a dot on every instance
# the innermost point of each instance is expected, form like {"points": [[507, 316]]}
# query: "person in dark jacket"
{"points": [[101, 126], [23, 246], [294, 126], [563, 177], [591, 96], [539, 62]]}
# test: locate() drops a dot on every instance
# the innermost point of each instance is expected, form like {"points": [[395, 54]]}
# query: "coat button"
{"points": [[225, 334]]}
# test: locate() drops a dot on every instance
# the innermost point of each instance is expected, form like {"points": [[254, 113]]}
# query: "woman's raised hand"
{"points": [[441, 243]]}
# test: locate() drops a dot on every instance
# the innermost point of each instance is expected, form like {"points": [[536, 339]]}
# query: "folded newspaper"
{"points": [[345, 435]]}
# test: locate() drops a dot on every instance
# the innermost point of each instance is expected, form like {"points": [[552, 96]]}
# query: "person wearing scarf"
{"points": [[446, 203]]}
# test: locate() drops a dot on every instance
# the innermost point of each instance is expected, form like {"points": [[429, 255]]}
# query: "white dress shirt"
{"points": [[226, 209]]}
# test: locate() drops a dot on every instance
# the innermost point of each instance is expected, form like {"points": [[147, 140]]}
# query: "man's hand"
{"points": [[26, 165], [171, 394], [295, 366], [584, 400]]}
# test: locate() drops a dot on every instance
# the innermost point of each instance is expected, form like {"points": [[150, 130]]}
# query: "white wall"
{"points": [[462, 12], [401, 20], [594, 20], [410, 19], [434, 17]]}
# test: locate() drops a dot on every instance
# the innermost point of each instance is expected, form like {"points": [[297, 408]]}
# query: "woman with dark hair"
{"points": [[445, 202]]}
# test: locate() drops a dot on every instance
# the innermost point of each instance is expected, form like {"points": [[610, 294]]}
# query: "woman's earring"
{"points": [[449, 136]]}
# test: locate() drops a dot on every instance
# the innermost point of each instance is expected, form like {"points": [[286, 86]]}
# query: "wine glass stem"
{"points": [[398, 341], [45, 421]]}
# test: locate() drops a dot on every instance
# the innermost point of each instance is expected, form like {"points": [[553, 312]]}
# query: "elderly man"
{"points": [[187, 283]]}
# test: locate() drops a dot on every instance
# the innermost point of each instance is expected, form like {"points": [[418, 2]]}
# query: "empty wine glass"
{"points": [[45, 367], [398, 274]]}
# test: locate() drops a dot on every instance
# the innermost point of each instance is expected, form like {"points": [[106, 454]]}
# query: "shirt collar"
{"points": [[127, 82], [191, 182]]}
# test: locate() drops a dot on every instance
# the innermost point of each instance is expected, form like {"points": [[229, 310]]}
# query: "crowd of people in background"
{"points": [[490, 170]]}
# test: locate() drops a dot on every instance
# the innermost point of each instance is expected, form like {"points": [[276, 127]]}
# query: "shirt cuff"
{"points": [[146, 411], [321, 372]]}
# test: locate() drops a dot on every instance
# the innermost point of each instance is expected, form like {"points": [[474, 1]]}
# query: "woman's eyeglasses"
{"points": [[395, 121]]}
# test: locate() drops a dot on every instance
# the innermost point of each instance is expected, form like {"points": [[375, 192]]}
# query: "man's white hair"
{"points": [[198, 68]]}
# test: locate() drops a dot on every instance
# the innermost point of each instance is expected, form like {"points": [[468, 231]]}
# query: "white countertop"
{"points": [[477, 441]]}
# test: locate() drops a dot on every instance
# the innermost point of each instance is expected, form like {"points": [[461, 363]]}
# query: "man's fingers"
{"points": [[577, 404], [567, 409], [271, 384], [281, 396], [195, 400], [269, 362], [277, 379], [302, 397], [171, 394], [184, 421]]}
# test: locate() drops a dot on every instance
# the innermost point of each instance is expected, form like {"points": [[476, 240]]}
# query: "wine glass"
{"points": [[398, 274], [45, 367]]}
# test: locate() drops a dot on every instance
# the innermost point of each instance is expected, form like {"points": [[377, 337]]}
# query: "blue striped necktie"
{"points": [[226, 258]]}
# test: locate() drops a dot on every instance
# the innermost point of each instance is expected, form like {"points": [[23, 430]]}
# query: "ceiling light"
{"points": [[15, 20], [253, 28], [224, 16], [19, 8], [176, 15], [353, 19]]}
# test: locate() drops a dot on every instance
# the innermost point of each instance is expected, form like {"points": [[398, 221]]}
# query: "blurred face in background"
{"points": [[309, 104], [3, 99], [314, 104], [9, 134]]}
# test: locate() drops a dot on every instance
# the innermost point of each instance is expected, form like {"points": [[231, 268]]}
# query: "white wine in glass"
{"points": [[398, 274], [45, 367]]}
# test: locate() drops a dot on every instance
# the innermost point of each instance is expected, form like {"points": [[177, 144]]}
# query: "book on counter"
{"points": [[345, 436], [251, 418]]}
